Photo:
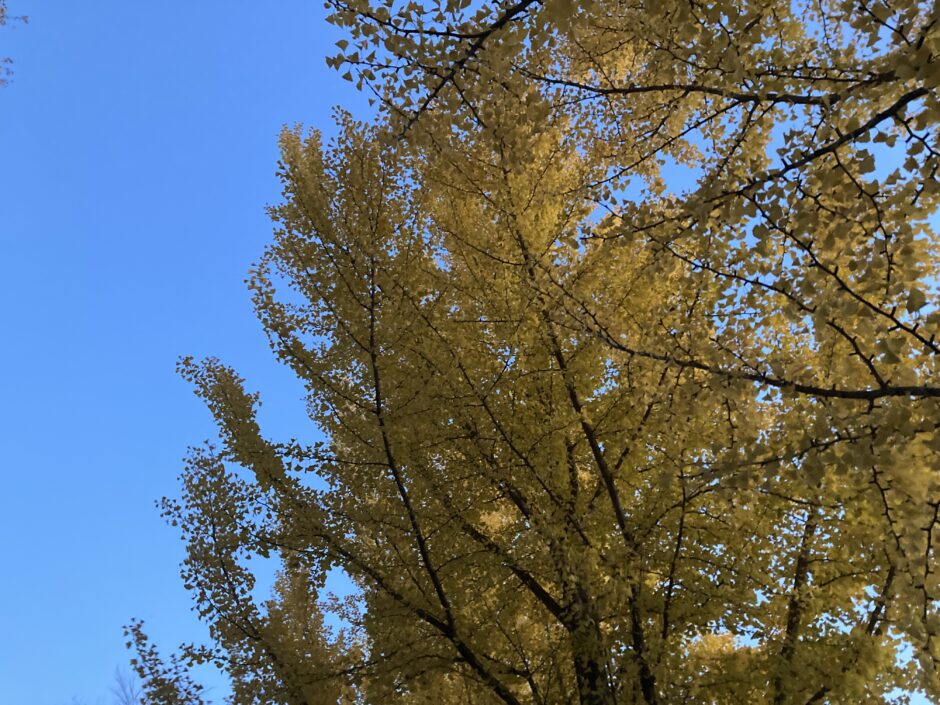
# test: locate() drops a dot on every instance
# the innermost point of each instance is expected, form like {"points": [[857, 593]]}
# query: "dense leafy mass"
{"points": [[621, 329]]}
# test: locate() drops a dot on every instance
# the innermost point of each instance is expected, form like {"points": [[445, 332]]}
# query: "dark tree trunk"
{"points": [[590, 655]]}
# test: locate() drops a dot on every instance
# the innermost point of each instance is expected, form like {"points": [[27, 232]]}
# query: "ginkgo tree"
{"points": [[620, 327]]}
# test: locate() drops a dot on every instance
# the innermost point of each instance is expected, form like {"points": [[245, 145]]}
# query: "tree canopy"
{"points": [[620, 326]]}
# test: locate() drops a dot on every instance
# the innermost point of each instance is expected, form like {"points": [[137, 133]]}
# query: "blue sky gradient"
{"points": [[139, 148]]}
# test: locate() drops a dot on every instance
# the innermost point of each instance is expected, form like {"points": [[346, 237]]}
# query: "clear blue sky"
{"points": [[137, 153]]}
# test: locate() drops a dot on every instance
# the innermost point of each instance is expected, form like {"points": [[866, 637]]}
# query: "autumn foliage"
{"points": [[620, 329]]}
